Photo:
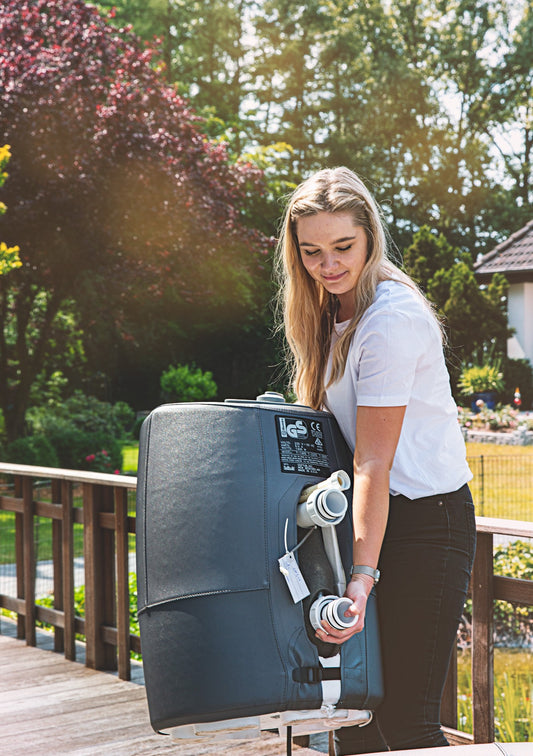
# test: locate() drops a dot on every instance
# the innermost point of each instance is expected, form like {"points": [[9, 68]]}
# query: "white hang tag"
{"points": [[288, 566]]}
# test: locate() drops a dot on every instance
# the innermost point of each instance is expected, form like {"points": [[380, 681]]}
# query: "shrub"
{"points": [[83, 427], [501, 418], [101, 462], [79, 608], [187, 384], [513, 623], [32, 450], [479, 378], [137, 425], [73, 446], [518, 373], [86, 413]]}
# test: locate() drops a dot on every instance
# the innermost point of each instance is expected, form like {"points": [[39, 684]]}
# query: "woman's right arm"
{"points": [[377, 433]]}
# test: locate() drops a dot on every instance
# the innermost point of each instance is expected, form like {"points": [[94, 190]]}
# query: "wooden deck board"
{"points": [[52, 706]]}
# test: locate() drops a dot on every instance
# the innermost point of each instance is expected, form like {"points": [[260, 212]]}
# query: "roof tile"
{"points": [[515, 254]]}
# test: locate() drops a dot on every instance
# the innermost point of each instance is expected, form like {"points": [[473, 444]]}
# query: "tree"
{"points": [[117, 195], [505, 106], [475, 317], [415, 96], [202, 51]]}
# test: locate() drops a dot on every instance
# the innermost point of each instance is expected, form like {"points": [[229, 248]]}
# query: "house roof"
{"points": [[513, 257]]}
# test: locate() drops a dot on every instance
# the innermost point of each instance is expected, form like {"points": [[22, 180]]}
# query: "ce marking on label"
{"points": [[315, 425]]}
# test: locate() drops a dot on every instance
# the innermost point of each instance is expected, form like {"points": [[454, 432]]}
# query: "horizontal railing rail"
{"points": [[101, 508], [106, 529]]}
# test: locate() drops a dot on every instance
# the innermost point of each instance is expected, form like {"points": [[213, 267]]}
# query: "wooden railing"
{"points": [[106, 527], [103, 512], [485, 588]]}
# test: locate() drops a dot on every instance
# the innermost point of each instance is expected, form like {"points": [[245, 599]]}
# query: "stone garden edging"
{"points": [[520, 437]]}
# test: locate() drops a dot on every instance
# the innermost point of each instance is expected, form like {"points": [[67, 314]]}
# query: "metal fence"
{"points": [[503, 486]]}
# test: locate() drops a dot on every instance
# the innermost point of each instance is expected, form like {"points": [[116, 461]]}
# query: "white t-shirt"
{"points": [[396, 359]]}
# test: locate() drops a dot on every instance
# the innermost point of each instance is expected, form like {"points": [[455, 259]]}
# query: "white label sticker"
{"points": [[288, 566]]}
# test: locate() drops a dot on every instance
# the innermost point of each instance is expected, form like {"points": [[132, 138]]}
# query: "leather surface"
{"points": [[220, 633]]}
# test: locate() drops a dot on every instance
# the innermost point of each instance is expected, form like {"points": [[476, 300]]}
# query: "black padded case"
{"points": [[221, 636]]}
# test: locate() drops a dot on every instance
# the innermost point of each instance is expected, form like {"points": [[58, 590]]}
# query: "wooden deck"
{"points": [[49, 706]]}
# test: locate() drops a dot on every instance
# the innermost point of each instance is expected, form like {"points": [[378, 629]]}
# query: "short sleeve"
{"points": [[389, 346]]}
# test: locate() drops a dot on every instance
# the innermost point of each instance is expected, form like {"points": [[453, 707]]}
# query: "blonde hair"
{"points": [[306, 309]]}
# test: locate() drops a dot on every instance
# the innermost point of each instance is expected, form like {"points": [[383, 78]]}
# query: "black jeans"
{"points": [[425, 563]]}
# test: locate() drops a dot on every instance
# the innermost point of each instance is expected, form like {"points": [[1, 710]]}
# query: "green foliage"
{"points": [[502, 417], [80, 428], [187, 384], [121, 200], [9, 258], [284, 86], [68, 447], [518, 373], [427, 254], [512, 715], [513, 623], [102, 461], [79, 608], [476, 319], [74, 447], [514, 560], [513, 693], [32, 450], [85, 413], [479, 378], [367, 85]]}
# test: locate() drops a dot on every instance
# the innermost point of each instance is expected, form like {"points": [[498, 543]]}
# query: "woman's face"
{"points": [[333, 251]]}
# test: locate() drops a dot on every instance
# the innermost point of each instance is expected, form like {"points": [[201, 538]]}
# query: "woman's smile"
{"points": [[334, 278]]}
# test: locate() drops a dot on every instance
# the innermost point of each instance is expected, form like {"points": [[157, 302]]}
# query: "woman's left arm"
{"points": [[377, 433]]}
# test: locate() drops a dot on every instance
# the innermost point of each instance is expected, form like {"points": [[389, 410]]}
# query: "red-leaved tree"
{"points": [[114, 192]]}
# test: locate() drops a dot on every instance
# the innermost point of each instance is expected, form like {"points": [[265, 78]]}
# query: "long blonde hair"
{"points": [[306, 309]]}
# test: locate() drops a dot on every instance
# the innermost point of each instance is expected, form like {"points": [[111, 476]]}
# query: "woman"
{"points": [[366, 345]]}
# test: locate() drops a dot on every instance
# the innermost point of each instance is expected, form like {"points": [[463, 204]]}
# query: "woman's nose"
{"points": [[329, 261]]}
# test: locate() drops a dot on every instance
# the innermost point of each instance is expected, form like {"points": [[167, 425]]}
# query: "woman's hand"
{"points": [[357, 591]]}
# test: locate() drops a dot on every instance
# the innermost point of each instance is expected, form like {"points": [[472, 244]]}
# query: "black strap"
{"points": [[315, 674]]}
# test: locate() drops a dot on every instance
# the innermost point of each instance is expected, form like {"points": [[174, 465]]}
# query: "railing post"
{"points": [[123, 594], [59, 635], [19, 557], [483, 640], [482, 486], [98, 548], [29, 561], [67, 556]]}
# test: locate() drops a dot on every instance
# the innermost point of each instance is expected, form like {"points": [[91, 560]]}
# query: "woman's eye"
{"points": [[310, 252], [344, 249]]}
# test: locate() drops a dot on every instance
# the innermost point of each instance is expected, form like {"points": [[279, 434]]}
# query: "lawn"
{"points": [[501, 486], [513, 690], [498, 450], [130, 455], [131, 452]]}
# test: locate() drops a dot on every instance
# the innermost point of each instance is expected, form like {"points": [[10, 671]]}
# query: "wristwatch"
{"points": [[363, 569]]}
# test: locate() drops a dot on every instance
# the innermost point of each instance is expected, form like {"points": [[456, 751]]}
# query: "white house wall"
{"points": [[520, 312]]}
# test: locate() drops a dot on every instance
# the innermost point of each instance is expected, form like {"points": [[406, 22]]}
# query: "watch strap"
{"points": [[363, 569]]}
